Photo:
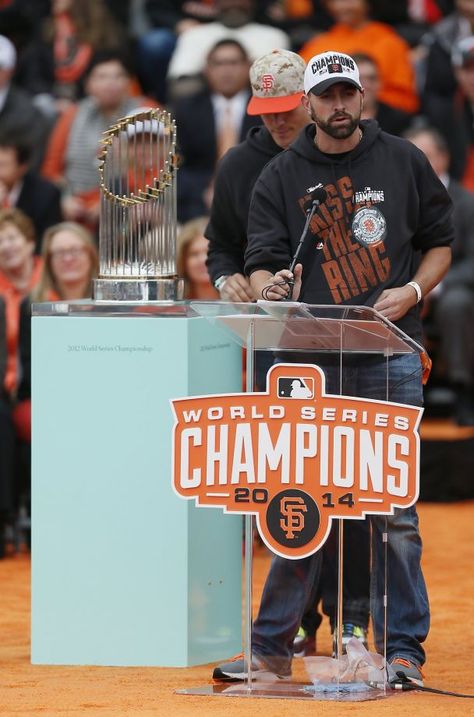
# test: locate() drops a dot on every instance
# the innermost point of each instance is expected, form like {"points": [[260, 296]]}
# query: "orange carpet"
{"points": [[27, 691]]}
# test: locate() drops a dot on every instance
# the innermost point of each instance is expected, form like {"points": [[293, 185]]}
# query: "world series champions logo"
{"points": [[296, 457]]}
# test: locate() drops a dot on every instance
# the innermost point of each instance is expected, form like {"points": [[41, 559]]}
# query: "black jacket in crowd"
{"points": [[384, 206], [461, 271], [41, 201], [237, 173], [197, 147]]}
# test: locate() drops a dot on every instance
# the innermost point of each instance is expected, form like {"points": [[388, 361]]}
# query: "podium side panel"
{"points": [[110, 538]]}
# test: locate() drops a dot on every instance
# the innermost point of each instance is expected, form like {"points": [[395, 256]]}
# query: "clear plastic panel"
{"points": [[354, 557], [303, 327]]}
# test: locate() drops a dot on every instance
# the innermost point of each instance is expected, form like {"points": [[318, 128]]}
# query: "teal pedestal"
{"points": [[123, 571]]}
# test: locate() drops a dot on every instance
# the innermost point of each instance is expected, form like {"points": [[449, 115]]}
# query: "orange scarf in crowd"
{"points": [[71, 56], [13, 298]]}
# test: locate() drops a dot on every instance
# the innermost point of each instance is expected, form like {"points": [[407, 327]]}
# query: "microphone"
{"points": [[318, 194]]}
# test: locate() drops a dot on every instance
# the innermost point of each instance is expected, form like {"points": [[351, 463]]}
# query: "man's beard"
{"points": [[336, 131]]}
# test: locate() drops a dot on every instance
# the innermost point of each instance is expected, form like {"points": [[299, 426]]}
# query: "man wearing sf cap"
{"points": [[277, 87], [384, 206]]}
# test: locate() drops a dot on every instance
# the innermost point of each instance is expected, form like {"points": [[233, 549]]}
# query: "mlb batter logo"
{"points": [[295, 456]]}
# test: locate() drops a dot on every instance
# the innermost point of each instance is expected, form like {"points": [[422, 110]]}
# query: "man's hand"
{"points": [[237, 288], [394, 303], [278, 286]]}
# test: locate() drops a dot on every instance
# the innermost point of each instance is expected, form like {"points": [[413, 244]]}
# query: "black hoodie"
{"points": [[384, 206], [235, 178]]}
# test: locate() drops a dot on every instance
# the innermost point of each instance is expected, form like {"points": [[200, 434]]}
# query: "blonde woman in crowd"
{"points": [[70, 262], [191, 262]]}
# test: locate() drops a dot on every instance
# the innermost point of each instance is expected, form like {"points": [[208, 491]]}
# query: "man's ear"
{"points": [[306, 104]]}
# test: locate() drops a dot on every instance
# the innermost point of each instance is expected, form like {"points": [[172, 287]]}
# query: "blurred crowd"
{"points": [[70, 68]]}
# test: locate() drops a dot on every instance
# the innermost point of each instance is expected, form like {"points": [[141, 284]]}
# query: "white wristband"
{"points": [[219, 283], [417, 289]]}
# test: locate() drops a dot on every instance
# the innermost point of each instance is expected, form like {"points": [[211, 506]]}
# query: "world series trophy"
{"points": [[137, 234]]}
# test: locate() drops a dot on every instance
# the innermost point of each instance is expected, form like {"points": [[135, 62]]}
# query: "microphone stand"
{"points": [[309, 215]]}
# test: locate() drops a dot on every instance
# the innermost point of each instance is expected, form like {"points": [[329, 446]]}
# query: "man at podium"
{"points": [[277, 82], [379, 236]]}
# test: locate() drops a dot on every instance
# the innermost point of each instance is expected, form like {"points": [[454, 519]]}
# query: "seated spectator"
{"points": [[71, 159], [25, 189], [19, 273], [7, 437], [191, 261], [18, 114], [354, 32], [389, 118], [210, 122], [69, 263], [234, 20], [440, 84], [451, 305], [459, 127], [54, 65], [162, 21]]}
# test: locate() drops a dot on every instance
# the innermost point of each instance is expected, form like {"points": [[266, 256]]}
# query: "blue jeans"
{"points": [[291, 583]]}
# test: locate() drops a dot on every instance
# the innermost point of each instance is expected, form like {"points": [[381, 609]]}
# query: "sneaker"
{"points": [[402, 671], [349, 630], [304, 644], [235, 670]]}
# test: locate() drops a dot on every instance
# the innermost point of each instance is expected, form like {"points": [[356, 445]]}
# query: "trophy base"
{"points": [[118, 289]]}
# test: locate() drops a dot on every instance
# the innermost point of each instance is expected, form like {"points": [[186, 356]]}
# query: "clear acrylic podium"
{"points": [[339, 340]]}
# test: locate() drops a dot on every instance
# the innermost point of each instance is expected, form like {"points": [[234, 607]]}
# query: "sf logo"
{"points": [[267, 82], [293, 510], [292, 518]]}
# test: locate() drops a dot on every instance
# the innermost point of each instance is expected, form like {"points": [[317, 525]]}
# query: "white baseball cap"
{"points": [[327, 69]]}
